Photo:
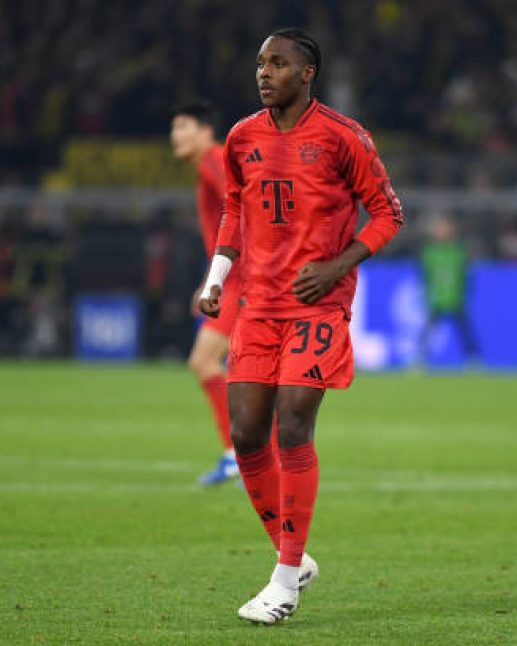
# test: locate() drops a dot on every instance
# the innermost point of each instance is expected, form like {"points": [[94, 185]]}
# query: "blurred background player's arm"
{"points": [[211, 174], [229, 238]]}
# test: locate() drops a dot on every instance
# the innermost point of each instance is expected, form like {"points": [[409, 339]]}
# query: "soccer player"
{"points": [[295, 172], [445, 264], [193, 137]]}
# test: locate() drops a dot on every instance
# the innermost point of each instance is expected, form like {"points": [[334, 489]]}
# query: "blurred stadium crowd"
{"points": [[436, 81], [443, 72]]}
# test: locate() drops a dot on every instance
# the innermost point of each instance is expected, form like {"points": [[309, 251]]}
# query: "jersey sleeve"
{"points": [[370, 182], [230, 229], [212, 173]]}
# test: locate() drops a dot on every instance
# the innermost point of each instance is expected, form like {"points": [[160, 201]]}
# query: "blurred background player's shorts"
{"points": [[229, 310]]}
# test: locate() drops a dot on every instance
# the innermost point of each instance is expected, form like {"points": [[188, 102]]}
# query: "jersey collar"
{"points": [[303, 119]]}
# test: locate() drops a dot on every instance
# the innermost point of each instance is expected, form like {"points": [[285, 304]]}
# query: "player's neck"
{"points": [[287, 117], [201, 151]]}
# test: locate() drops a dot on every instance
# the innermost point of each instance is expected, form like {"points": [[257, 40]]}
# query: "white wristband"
{"points": [[219, 269]]}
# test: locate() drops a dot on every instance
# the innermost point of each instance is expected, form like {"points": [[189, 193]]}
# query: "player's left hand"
{"points": [[314, 280]]}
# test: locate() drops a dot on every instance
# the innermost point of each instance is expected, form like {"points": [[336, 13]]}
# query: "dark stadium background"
{"points": [[92, 203]]}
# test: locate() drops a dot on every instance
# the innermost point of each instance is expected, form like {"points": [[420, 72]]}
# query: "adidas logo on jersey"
{"points": [[254, 156], [314, 373]]}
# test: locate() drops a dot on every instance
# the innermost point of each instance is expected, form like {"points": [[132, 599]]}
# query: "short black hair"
{"points": [[304, 43], [199, 109]]}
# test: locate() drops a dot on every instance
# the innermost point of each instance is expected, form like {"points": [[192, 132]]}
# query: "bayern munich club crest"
{"points": [[309, 152]]}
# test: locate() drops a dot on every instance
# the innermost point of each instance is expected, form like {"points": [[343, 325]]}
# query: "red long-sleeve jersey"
{"points": [[210, 200], [210, 195], [292, 197]]}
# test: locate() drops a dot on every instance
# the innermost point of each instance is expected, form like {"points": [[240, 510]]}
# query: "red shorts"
{"points": [[229, 310], [314, 352]]}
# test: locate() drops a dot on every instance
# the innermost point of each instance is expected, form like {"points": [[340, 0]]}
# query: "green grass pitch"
{"points": [[105, 537]]}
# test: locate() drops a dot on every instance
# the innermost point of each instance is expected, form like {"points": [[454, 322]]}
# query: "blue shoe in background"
{"points": [[226, 469]]}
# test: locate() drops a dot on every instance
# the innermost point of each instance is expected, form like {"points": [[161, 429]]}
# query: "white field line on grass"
{"points": [[94, 487], [337, 474], [341, 479], [325, 485], [99, 464], [428, 485]]}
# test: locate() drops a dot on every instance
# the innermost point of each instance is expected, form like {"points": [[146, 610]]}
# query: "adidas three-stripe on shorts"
{"points": [[315, 351]]}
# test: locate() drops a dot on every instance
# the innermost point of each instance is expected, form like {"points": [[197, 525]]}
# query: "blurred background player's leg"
{"points": [[206, 361], [194, 139]]}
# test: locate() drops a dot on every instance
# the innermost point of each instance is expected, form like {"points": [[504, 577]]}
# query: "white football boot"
{"points": [[272, 604], [308, 572]]}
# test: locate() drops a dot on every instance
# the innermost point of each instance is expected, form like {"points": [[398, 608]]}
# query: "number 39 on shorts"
{"points": [[322, 336]]}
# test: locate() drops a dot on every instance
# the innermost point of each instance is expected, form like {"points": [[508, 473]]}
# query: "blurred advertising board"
{"points": [[107, 327], [391, 328], [107, 163]]}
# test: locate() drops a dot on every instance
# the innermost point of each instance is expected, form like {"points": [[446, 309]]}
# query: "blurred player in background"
{"points": [[444, 262], [193, 137], [295, 172]]}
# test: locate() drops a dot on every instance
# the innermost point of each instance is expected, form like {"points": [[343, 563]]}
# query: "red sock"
{"points": [[298, 489], [260, 473], [217, 393]]}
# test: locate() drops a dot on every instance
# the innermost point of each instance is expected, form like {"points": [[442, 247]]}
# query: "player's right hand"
{"points": [[211, 306]]}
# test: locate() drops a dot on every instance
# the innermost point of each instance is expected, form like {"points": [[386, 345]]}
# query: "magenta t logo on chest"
{"points": [[281, 190]]}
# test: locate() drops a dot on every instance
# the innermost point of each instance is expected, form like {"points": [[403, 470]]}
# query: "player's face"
{"points": [[283, 74], [186, 136]]}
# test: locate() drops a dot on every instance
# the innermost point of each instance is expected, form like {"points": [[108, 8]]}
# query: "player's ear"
{"points": [[309, 73]]}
